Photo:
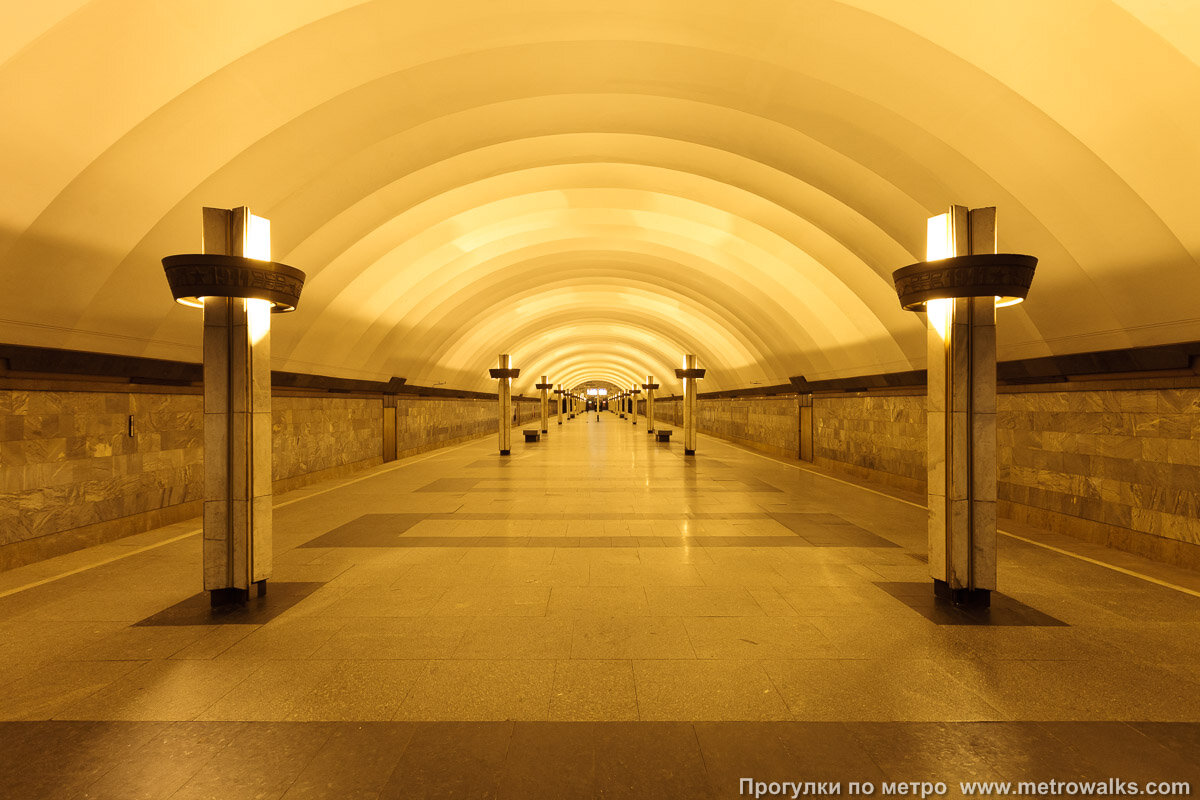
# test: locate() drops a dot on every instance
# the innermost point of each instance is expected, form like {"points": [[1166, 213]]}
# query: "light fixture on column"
{"points": [[251, 275], [960, 286], [1005, 277]]}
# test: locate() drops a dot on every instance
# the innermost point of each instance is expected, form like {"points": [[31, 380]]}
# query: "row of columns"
{"points": [[959, 287]]}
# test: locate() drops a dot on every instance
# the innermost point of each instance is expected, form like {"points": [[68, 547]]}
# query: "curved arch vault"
{"points": [[599, 188]]}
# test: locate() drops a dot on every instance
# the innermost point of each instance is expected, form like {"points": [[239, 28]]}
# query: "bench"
{"points": [[663, 434], [532, 435]]}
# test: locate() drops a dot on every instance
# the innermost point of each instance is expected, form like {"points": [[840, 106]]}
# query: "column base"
{"points": [[649, 430], [687, 452], [504, 452], [229, 596], [232, 596], [560, 422], [545, 430], [968, 598]]}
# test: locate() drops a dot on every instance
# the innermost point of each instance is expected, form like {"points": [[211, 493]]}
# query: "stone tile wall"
{"points": [[771, 424], [427, 423], [1120, 468], [668, 412], [879, 437], [314, 438], [69, 466], [71, 476]]}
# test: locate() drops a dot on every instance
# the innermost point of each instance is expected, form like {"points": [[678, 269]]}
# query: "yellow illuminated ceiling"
{"points": [[598, 188]]}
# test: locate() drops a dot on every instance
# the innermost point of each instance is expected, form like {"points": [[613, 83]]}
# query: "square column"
{"points": [[690, 373], [237, 425], [545, 387], [650, 386], [961, 414], [504, 374]]}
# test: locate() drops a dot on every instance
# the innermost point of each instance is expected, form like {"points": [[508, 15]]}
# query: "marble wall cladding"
{"points": [[1116, 467], [881, 437], [427, 423], [764, 423], [67, 460], [668, 413], [324, 435]]}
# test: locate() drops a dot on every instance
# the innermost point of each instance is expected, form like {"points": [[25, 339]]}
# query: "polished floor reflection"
{"points": [[594, 613]]}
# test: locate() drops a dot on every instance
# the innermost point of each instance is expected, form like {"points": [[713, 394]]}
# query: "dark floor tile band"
{"points": [[157, 760], [719, 483], [392, 530], [474, 516], [567, 541]]}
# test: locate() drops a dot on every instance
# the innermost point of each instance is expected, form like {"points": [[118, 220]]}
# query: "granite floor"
{"points": [[593, 616]]}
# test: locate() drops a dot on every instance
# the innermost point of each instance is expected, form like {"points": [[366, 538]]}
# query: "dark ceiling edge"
{"points": [[27, 361], [17, 361], [750, 391], [1131, 362]]}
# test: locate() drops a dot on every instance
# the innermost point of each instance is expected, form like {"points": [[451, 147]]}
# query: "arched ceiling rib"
{"points": [[596, 188]]}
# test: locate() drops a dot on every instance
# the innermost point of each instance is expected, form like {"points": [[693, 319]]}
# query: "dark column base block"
{"points": [[968, 598], [262, 588], [544, 430], [230, 596], [504, 452], [687, 452]]}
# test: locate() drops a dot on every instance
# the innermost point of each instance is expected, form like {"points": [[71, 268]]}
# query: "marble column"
{"points": [[690, 374], [650, 386], [561, 401], [238, 286], [545, 387], [504, 374], [237, 424], [961, 419], [633, 400]]}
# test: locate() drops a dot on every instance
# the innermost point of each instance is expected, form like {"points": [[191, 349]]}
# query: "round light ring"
{"points": [[1005, 276], [195, 276]]}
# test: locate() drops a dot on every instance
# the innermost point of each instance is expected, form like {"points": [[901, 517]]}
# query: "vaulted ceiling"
{"points": [[599, 188]]}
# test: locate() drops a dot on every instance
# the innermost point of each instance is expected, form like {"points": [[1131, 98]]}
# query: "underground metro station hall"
{"points": [[552, 399]]}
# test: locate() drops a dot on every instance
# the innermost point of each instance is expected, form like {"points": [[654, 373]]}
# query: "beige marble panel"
{"points": [[983, 521]]}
